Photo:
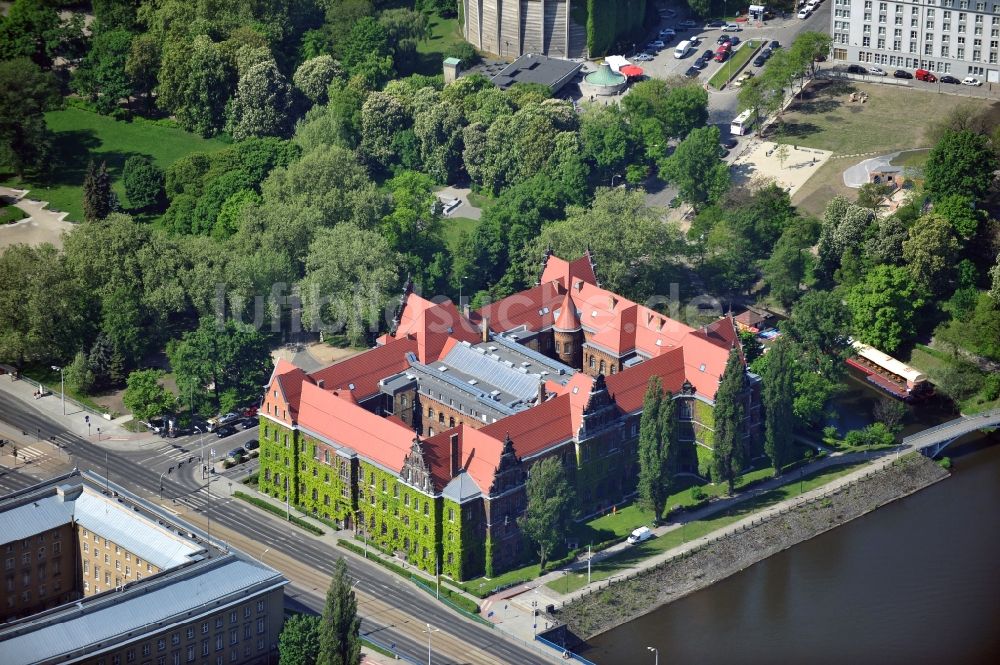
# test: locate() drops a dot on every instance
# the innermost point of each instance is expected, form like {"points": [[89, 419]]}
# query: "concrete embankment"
{"points": [[620, 602]]}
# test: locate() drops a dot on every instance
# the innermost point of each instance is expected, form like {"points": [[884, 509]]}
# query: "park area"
{"points": [[81, 135], [892, 118]]}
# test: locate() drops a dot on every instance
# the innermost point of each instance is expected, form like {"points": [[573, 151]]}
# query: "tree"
{"points": [[551, 498], [30, 30], [778, 395], [439, 130], [883, 307], [26, 93], [142, 66], [653, 484], [931, 253], [961, 213], [784, 270], [695, 168], [98, 201], [299, 641], [340, 626], [760, 96], [808, 47], [143, 182], [885, 242], [262, 103], [382, 117], [102, 75], [606, 139], [728, 451], [962, 163], [314, 76], [820, 326], [349, 275], [79, 374], [889, 412], [872, 195], [195, 84], [231, 357], [781, 152], [145, 397], [994, 292]]}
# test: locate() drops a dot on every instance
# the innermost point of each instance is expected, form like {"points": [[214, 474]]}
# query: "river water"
{"points": [[916, 581]]}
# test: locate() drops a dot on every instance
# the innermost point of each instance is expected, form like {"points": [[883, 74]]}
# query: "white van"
{"points": [[639, 535], [682, 49]]}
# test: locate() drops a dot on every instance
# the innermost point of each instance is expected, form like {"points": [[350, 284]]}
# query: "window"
{"points": [[175, 639], [161, 644], [145, 649], [190, 632], [204, 628], [234, 636], [190, 653], [260, 626], [218, 642]]}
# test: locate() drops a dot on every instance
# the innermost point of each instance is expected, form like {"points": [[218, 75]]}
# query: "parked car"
{"points": [[721, 54], [224, 419], [759, 61], [642, 57], [767, 52], [878, 71], [950, 79], [251, 445], [856, 69], [224, 431], [667, 32], [734, 41], [971, 80], [722, 39], [924, 75], [641, 534], [729, 143], [250, 411], [699, 64], [687, 23], [236, 454], [804, 14], [691, 72], [708, 54], [902, 74], [714, 24], [774, 45], [658, 44], [249, 423], [733, 27]]}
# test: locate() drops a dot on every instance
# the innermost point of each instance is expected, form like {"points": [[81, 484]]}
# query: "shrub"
{"points": [[464, 52], [697, 493]]}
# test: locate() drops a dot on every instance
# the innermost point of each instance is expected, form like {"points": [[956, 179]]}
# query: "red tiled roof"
{"points": [[366, 369], [565, 272], [432, 325], [286, 380], [383, 440], [704, 363], [478, 454], [535, 429], [569, 320], [578, 391], [527, 308], [628, 387]]}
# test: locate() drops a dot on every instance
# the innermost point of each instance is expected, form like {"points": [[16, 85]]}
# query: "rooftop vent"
{"points": [[350, 386], [481, 350], [494, 356], [659, 342], [525, 364], [701, 368], [442, 368], [544, 372], [522, 370], [508, 363], [576, 389], [473, 382], [491, 348]]}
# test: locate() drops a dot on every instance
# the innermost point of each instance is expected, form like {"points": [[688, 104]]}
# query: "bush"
{"points": [[697, 493], [464, 52], [143, 182]]}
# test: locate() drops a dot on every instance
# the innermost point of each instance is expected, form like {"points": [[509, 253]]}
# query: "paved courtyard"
{"points": [[42, 226], [763, 161]]}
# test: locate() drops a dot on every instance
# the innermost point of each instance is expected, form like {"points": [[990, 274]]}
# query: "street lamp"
{"points": [[62, 385], [430, 631], [616, 175], [656, 655]]}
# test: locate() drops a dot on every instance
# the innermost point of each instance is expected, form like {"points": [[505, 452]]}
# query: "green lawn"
{"points": [[629, 557], [729, 68], [934, 363], [10, 214], [455, 227], [828, 120], [81, 135], [443, 34], [484, 586]]}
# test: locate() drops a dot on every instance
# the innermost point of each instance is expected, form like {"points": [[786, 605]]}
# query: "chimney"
{"points": [[466, 310], [541, 390], [320, 383], [454, 455], [486, 328]]}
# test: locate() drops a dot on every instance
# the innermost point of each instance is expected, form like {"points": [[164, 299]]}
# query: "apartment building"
{"points": [[96, 575], [957, 37]]}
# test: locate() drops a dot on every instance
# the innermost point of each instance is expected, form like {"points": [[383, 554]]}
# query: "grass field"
{"points": [[631, 556], [10, 214], [455, 227], [443, 34], [81, 135], [826, 182], [732, 66], [827, 120]]}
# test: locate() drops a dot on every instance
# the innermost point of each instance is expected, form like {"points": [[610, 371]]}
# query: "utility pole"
{"points": [[62, 385], [429, 631], [437, 575], [288, 513]]}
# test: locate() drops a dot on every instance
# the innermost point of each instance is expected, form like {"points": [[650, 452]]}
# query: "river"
{"points": [[917, 581]]}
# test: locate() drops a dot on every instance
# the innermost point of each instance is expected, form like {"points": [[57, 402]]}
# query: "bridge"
{"points": [[931, 442]]}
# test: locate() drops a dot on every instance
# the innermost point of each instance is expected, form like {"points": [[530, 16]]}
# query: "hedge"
{"points": [[457, 599], [260, 503]]}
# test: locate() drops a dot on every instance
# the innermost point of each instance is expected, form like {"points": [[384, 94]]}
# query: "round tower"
{"points": [[568, 334]]}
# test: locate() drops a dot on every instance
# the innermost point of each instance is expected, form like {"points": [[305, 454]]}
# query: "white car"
{"points": [[688, 23], [804, 13], [971, 80], [667, 32], [657, 44], [642, 57], [732, 27], [877, 71]]}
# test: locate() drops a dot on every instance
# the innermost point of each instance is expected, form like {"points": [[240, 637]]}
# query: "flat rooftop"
{"points": [[535, 68]]}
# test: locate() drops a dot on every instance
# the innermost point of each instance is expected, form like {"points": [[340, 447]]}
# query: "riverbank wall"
{"points": [[624, 600]]}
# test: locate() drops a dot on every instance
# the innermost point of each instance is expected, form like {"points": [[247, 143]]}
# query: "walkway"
{"points": [[935, 439], [858, 175], [42, 225]]}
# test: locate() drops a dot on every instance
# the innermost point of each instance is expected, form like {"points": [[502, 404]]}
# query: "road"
{"points": [[393, 611]]}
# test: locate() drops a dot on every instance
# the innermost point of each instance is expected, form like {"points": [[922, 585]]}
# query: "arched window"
{"points": [[603, 367]]}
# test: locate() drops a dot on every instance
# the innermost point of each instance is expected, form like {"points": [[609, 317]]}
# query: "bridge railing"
{"points": [[913, 438]]}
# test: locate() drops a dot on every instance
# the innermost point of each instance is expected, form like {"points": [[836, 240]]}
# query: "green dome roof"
{"points": [[604, 76]]}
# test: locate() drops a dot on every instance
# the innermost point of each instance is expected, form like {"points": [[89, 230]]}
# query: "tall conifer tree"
{"points": [[728, 453], [778, 395], [339, 633]]}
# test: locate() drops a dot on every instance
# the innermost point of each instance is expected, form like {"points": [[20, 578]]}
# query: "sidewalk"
{"points": [[112, 434]]}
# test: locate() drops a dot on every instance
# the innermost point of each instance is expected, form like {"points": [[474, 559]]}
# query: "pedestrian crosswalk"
{"points": [[172, 453], [30, 454]]}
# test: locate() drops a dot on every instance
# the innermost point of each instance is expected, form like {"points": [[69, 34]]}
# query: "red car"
{"points": [[722, 54], [250, 412]]}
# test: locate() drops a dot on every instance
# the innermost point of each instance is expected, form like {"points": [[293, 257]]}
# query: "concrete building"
{"points": [[94, 574], [957, 37], [423, 444], [510, 28]]}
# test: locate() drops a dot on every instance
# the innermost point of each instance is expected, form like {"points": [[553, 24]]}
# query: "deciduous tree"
{"points": [[695, 168], [262, 103], [145, 397], [299, 641], [26, 93], [102, 75], [143, 182], [820, 325], [883, 307], [314, 76], [550, 507], [962, 163], [931, 253]]}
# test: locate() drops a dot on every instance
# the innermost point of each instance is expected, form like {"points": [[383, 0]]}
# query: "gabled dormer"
{"points": [[416, 471]]}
